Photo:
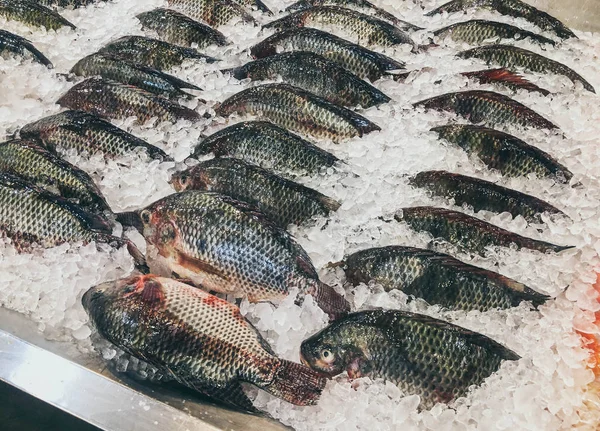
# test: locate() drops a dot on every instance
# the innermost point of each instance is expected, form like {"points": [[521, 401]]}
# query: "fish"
{"points": [[487, 107], [316, 74], [423, 356], [363, 62], [368, 30], [268, 146], [499, 150], [299, 110], [73, 4], [200, 340], [467, 232], [437, 278], [511, 56], [477, 31], [227, 246], [505, 77], [32, 13], [14, 44], [179, 29], [87, 134], [482, 195], [117, 69], [152, 52], [283, 201], [213, 12], [514, 8], [110, 99], [45, 169]]}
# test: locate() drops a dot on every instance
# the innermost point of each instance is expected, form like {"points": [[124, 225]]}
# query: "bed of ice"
{"points": [[552, 387]]}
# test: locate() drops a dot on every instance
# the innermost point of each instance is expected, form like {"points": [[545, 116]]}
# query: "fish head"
{"points": [[196, 178], [159, 226], [81, 96]]}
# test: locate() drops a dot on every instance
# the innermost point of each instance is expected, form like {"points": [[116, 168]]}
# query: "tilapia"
{"points": [[316, 74], [368, 30], [359, 60], [505, 77], [111, 99], [467, 232], [512, 56], [39, 166], [227, 246], [515, 8], [423, 356], [487, 107], [269, 146], [283, 201], [299, 110], [202, 341], [14, 44], [213, 12], [477, 31], [152, 52], [87, 134], [120, 70], [31, 13], [174, 27], [499, 150], [482, 195], [437, 278]]}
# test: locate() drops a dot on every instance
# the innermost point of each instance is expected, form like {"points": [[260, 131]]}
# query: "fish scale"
{"points": [[32, 13], [10, 42], [213, 12]]}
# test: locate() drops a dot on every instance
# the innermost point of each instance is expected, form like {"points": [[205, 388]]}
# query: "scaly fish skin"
{"points": [[299, 110], [368, 30], [283, 201], [213, 12], [482, 195], [15, 44], [213, 348], [179, 29], [437, 278], [477, 31], [469, 233], [31, 13], [110, 99], [87, 134], [316, 74], [499, 150], [487, 107], [268, 146], [512, 56], [364, 63], [424, 356], [74, 4]]}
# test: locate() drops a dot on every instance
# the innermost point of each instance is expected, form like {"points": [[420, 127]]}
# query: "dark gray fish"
{"points": [[213, 12], [316, 74], [31, 13], [14, 44], [477, 31]]}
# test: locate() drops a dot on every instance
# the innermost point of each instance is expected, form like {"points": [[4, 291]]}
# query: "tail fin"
{"points": [[331, 204], [504, 76], [296, 384], [331, 302], [130, 219]]}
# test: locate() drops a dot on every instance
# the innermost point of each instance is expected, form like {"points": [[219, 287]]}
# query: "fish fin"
{"points": [[299, 5], [179, 83], [503, 75], [327, 298], [231, 395], [138, 257], [262, 7], [339, 264], [329, 203], [238, 73], [130, 219], [296, 384], [152, 293], [199, 265]]}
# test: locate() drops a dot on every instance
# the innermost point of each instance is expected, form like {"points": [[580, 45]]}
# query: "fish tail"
{"points": [[130, 219], [41, 58], [330, 204], [399, 77], [505, 76], [263, 7], [238, 73], [331, 302], [185, 113], [296, 384]]}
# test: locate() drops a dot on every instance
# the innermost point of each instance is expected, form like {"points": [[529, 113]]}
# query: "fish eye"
{"points": [[183, 179], [129, 288], [145, 215], [327, 356]]}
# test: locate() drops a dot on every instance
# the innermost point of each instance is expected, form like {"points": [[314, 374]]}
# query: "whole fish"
{"points": [[299, 110], [367, 29], [359, 60], [477, 31], [316, 74], [31, 13], [152, 52], [515, 8], [512, 56], [227, 246], [283, 201], [505, 77], [269, 146], [86, 133], [39, 166], [199, 339], [482, 195], [487, 107], [437, 278], [468, 232], [213, 12], [111, 99], [120, 70], [14, 44], [424, 356], [174, 27]]}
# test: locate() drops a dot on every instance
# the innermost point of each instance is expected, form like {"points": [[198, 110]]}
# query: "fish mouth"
{"points": [[319, 371]]}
